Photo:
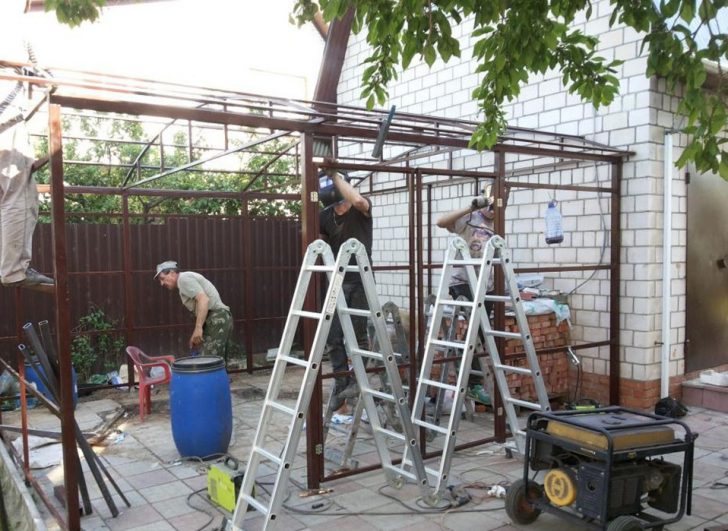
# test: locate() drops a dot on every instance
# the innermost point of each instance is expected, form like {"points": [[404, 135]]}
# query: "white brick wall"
{"points": [[635, 121]]}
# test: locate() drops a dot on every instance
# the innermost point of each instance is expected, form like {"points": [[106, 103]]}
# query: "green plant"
{"points": [[96, 345]]}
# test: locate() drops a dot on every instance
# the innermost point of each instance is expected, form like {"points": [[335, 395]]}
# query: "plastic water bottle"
{"points": [[554, 232]]}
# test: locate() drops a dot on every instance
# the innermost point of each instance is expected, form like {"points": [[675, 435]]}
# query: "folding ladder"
{"points": [[389, 417], [448, 331], [264, 449], [458, 255]]}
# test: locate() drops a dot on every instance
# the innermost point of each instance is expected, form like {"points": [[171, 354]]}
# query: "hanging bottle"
{"points": [[554, 233]]}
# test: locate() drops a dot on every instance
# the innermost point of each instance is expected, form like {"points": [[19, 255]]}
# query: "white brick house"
{"points": [[636, 121]]}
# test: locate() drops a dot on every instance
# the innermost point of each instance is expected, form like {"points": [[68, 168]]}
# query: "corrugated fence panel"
{"points": [[214, 247]]}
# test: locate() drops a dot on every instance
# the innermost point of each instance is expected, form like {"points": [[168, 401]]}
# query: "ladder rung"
{"points": [[511, 368], [450, 344], [263, 509], [292, 360], [501, 333], [450, 302], [280, 407], [436, 383], [497, 298], [428, 470], [265, 453], [380, 395], [357, 311], [367, 353], [400, 471], [429, 426], [469, 261], [390, 433], [304, 313], [321, 268], [523, 403]]}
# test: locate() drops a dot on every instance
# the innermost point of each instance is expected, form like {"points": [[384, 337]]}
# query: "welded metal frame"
{"points": [[84, 91]]}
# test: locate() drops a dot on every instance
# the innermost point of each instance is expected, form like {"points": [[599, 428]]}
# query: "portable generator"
{"points": [[223, 483], [604, 469]]}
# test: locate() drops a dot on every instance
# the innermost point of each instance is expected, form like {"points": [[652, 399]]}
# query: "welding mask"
{"points": [[329, 195]]}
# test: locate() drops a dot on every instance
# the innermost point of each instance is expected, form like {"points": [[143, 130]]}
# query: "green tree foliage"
{"points": [[517, 38], [99, 152], [74, 12]]}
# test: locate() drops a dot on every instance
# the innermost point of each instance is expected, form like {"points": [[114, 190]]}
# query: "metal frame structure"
{"points": [[410, 137]]}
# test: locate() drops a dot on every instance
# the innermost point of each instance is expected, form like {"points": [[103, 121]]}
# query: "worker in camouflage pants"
{"points": [[213, 321]]}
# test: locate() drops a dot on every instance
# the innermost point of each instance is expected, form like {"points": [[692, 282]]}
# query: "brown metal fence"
{"points": [[255, 275]]}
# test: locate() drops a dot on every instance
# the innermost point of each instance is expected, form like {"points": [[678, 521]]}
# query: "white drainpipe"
{"points": [[666, 267]]}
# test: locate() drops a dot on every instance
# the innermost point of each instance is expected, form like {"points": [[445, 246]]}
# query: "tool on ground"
{"points": [[224, 480], [314, 492], [280, 459], [495, 254]]}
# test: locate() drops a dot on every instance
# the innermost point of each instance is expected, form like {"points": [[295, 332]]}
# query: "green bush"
{"points": [[95, 347]]}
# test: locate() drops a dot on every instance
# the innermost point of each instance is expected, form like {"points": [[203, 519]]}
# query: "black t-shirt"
{"points": [[353, 224]]}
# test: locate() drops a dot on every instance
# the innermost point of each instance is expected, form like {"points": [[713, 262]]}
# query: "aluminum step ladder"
{"points": [[388, 415], [278, 458], [448, 331], [495, 254]]}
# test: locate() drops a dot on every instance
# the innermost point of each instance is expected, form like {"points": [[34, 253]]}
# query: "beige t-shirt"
{"points": [[190, 284]]}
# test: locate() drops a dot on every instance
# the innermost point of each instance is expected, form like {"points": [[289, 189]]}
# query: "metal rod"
{"points": [[194, 163], [44, 373], [95, 466]]}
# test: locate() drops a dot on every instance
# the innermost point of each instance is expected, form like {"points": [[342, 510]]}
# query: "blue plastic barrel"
{"points": [[200, 406], [32, 377]]}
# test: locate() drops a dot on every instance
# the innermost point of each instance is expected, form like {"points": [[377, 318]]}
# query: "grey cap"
{"points": [[169, 264]]}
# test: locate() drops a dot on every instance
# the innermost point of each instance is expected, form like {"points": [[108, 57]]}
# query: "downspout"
{"points": [[666, 265]]}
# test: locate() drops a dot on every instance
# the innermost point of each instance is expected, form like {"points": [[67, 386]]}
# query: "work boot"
{"points": [[350, 391], [335, 402], [33, 280], [479, 394]]}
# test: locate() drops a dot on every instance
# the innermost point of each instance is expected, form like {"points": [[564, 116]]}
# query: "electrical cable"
{"points": [[212, 517]]}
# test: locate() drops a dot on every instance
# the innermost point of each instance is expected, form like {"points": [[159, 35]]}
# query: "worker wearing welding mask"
{"points": [[345, 214]]}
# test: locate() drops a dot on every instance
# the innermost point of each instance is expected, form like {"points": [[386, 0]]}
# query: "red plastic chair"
{"points": [[142, 367]]}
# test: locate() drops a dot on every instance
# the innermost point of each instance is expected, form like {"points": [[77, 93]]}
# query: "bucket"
{"points": [[32, 377], [200, 406]]}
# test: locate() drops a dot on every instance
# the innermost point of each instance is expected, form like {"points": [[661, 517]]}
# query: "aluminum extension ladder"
{"points": [[388, 417], [458, 255], [265, 450]]}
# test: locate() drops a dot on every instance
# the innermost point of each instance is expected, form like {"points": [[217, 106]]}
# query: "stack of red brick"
{"points": [[554, 366]]}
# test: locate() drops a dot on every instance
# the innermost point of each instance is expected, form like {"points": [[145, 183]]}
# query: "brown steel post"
{"points": [[499, 319], [21, 371], [429, 238], [614, 279], [248, 314], [420, 278], [63, 317], [128, 284], [309, 232]]}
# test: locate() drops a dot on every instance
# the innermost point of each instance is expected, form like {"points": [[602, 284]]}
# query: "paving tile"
{"points": [[165, 491], [194, 520], [149, 479], [172, 507], [135, 517]]}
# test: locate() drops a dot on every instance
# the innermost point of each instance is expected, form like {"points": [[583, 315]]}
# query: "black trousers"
{"points": [[463, 290]]}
